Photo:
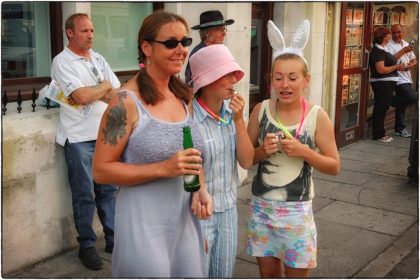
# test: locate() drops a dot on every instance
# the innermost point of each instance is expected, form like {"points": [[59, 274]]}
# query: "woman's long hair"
{"points": [[148, 31]]}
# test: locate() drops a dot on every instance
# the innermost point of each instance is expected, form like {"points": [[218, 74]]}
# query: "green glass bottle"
{"points": [[191, 182]]}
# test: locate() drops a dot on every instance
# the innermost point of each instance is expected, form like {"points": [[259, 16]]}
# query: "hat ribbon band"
{"points": [[217, 22]]}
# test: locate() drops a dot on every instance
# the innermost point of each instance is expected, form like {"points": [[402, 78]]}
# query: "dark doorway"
{"points": [[260, 53]]}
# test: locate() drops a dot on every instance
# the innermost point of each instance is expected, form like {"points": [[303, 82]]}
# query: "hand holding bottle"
{"points": [[191, 180], [183, 162]]}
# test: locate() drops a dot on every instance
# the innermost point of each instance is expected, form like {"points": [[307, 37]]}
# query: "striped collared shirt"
{"points": [[220, 165]]}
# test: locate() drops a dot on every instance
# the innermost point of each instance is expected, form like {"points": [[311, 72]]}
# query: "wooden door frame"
{"points": [[364, 86], [367, 38]]}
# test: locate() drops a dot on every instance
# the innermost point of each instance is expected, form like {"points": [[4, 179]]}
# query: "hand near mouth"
{"points": [[233, 92], [237, 104]]}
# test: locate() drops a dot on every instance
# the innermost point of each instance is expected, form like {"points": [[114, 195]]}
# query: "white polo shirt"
{"points": [[71, 72], [404, 77]]}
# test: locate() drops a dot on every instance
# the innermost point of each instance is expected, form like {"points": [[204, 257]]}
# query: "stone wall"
{"points": [[37, 214]]}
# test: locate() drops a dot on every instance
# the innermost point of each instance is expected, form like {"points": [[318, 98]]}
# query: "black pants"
{"points": [[405, 95], [383, 91]]}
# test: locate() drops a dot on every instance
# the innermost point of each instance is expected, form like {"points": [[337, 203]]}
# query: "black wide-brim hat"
{"points": [[212, 18]]}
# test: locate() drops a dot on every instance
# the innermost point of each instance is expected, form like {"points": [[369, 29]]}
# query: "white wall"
{"points": [[37, 213], [288, 16]]}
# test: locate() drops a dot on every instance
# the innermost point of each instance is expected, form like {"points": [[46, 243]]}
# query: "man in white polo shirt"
{"points": [[405, 94], [85, 78]]}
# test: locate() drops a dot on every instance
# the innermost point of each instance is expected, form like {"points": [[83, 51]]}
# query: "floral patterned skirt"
{"points": [[285, 230]]}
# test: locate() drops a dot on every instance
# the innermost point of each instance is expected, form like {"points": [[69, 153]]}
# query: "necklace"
{"points": [[284, 129], [220, 120]]}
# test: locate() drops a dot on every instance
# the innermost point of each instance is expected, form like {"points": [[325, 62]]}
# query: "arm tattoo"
{"points": [[116, 122]]}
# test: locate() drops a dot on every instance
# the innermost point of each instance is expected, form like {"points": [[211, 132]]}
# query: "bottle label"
{"points": [[188, 179]]}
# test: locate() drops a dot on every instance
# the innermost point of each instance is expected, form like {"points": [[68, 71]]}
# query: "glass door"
{"points": [[353, 73]]}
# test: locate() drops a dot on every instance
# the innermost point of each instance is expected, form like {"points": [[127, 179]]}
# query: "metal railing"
{"points": [[19, 100]]}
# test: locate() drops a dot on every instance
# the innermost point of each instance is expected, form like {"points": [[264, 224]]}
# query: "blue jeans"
{"points": [[405, 95], [79, 164]]}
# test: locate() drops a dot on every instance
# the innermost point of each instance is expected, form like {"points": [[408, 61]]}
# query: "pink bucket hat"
{"points": [[211, 63]]}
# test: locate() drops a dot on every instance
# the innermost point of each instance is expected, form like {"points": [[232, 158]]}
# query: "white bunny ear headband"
{"points": [[300, 38]]}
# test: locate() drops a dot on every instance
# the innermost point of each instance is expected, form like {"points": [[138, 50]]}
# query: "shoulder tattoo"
{"points": [[116, 122]]}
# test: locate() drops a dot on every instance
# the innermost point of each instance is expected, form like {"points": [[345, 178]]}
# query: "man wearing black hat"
{"points": [[212, 31]]}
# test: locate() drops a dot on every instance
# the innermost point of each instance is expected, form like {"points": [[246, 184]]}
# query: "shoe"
{"points": [[90, 258], [109, 248], [404, 133], [386, 139]]}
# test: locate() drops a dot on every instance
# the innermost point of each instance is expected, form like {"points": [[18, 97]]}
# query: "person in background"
{"points": [[405, 93], [212, 30], [383, 78], [218, 111], [85, 78], [291, 136], [140, 148]]}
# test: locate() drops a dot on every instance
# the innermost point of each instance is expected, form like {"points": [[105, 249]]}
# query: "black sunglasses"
{"points": [[172, 43]]}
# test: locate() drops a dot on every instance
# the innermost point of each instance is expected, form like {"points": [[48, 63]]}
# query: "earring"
{"points": [[148, 61]]}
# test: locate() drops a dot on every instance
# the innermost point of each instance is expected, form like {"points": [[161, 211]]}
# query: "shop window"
{"points": [[116, 28], [32, 35], [25, 40], [386, 17]]}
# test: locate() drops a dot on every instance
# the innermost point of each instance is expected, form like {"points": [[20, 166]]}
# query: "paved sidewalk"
{"points": [[366, 217]]}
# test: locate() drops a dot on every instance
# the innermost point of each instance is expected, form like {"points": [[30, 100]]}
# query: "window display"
{"points": [[25, 40], [354, 38], [353, 55]]}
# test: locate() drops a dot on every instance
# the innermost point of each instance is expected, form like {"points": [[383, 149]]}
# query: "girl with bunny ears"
{"points": [[291, 137]]}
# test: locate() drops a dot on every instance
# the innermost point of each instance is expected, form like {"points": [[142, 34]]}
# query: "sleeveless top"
{"points": [[280, 177], [155, 140]]}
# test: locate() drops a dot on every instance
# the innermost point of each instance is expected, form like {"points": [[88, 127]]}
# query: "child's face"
{"points": [[288, 79], [223, 87]]}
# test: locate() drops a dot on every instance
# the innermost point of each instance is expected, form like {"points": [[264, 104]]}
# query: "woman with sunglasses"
{"points": [[140, 148], [218, 111]]}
